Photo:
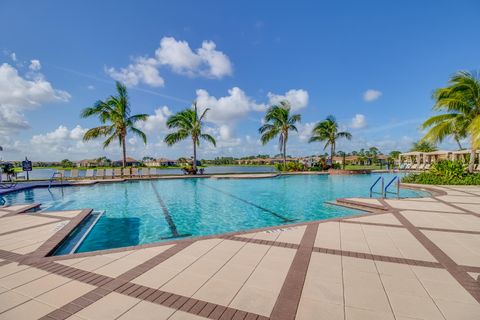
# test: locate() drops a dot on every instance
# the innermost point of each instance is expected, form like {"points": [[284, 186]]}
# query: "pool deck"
{"points": [[405, 259]]}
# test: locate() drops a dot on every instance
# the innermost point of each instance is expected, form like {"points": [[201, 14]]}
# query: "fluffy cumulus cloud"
{"points": [[60, 136], [358, 122], [297, 98], [142, 70], [305, 131], [371, 95], [205, 61], [228, 109], [19, 94], [35, 65], [156, 123]]}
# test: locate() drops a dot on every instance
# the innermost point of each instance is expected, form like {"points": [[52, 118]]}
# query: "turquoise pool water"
{"points": [[139, 212]]}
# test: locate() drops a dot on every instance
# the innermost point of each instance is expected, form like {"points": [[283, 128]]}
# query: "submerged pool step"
{"points": [[70, 244]]}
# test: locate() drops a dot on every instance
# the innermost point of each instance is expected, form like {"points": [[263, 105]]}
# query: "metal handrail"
{"points": [[385, 191], [374, 184], [53, 178]]}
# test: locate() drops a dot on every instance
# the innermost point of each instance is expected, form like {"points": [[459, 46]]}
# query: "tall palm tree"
{"points": [[327, 131], [461, 102], [278, 122], [423, 146], [114, 112], [188, 124]]}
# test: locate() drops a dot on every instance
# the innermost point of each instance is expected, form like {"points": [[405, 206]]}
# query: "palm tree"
{"points": [[423, 146], [461, 102], [188, 124], [115, 110], [327, 131], [278, 122]]}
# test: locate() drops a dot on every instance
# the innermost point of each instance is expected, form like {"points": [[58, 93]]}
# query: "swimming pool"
{"points": [[139, 212]]}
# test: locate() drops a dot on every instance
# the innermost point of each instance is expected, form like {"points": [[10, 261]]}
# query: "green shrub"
{"points": [[449, 169], [290, 167]]}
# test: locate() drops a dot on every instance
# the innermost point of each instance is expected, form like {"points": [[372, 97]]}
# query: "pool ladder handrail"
{"points": [[54, 175], [385, 191], [374, 184]]}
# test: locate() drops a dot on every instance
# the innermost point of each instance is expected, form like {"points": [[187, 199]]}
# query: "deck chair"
{"points": [[134, 173], [89, 174], [117, 173], [421, 166], [407, 166], [108, 174], [145, 172], [477, 168], [74, 174], [100, 174], [427, 166]]}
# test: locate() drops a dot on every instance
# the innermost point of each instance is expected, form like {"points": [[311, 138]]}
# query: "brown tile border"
{"points": [[361, 204], [458, 207], [55, 240], [264, 242], [373, 223], [18, 211], [376, 257], [285, 307], [449, 264]]}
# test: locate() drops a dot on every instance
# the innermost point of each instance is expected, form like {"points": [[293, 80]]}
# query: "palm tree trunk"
{"points": [[284, 154], [458, 142], [194, 164], [332, 152], [124, 152]]}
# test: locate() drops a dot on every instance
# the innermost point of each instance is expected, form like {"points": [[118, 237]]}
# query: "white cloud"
{"points": [[13, 56], [35, 65], [371, 95], [305, 130], [206, 61], [358, 122], [19, 94], [297, 98], [91, 87], [142, 70], [228, 109], [59, 136], [156, 123]]}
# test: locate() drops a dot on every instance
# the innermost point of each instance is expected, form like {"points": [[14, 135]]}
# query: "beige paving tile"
{"points": [[62, 295], [421, 205], [109, 307], [218, 291], [328, 235], [11, 299], [358, 279], [309, 309], [254, 299], [41, 285], [458, 311], [414, 307], [326, 266], [385, 218], [361, 314], [464, 249], [11, 268], [64, 214], [17, 279], [29, 310], [460, 198], [125, 263], [292, 235], [452, 291], [148, 311], [366, 298], [443, 220], [432, 274], [406, 286], [185, 284], [317, 287], [471, 207]]}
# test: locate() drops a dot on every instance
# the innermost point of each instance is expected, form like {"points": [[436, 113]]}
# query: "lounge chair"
{"points": [[134, 173], [421, 166], [427, 166], [117, 173], [127, 173], [477, 168], [153, 172], [74, 174], [145, 172], [108, 174], [407, 166], [414, 166], [100, 174], [89, 174]]}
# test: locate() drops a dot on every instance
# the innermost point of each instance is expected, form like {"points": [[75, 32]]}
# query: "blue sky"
{"points": [[372, 64]]}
